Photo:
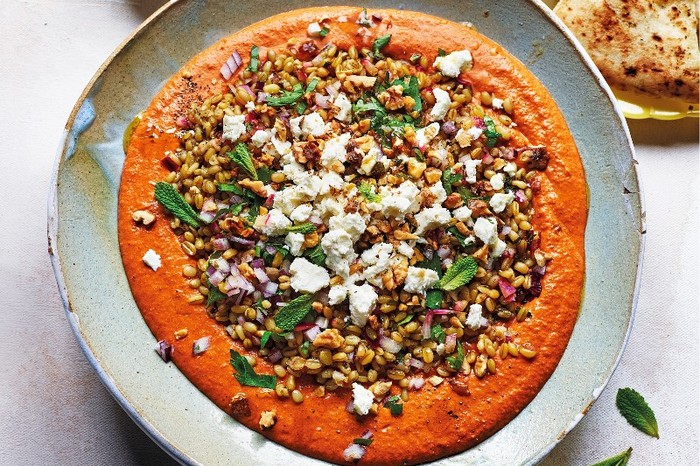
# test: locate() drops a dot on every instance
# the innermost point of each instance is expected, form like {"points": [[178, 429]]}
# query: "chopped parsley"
{"points": [[324, 32], [254, 59], [316, 255], [379, 43], [288, 97], [395, 405], [455, 362], [365, 442], [449, 178], [303, 228], [490, 132], [437, 333]]}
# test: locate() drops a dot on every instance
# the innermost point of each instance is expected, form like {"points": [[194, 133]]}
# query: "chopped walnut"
{"points": [[432, 175], [453, 201], [435, 380], [401, 271], [281, 129], [238, 406], [534, 157], [258, 187], [388, 280], [380, 388], [392, 98], [329, 338], [310, 239], [415, 168], [268, 419], [482, 254], [144, 217], [361, 81], [404, 235], [478, 207], [459, 386]]}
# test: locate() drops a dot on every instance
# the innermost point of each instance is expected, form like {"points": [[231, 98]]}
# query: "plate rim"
{"points": [[148, 428]]}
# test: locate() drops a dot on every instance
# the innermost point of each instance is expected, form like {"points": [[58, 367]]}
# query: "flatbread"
{"points": [[649, 47]]}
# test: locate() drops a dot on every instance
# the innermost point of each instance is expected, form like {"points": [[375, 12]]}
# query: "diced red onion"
{"points": [[303, 326], [322, 322], [443, 251], [216, 278], [231, 65], [416, 383], [247, 88], [222, 265], [520, 196], [427, 323], [182, 122], [322, 100], [366, 435], [354, 452], [334, 89], [246, 243], [201, 345], [269, 289], [450, 343], [507, 290], [312, 333], [441, 312], [462, 79], [505, 230], [236, 283], [350, 407], [261, 275], [165, 350], [539, 270], [390, 345], [275, 356], [316, 220], [487, 159], [321, 55], [207, 217], [417, 363], [508, 154], [270, 200], [220, 244], [478, 122], [261, 98], [449, 128], [509, 252]]}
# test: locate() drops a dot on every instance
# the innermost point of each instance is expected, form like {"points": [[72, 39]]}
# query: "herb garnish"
{"points": [[437, 333], [415, 58], [455, 362], [241, 156], [312, 85], [367, 190], [490, 132], [245, 374], [363, 441], [449, 178], [433, 298], [303, 228], [441, 53], [635, 409], [214, 295], [288, 97], [265, 338], [264, 174], [324, 32], [411, 89], [406, 319], [394, 404], [316, 255], [172, 200], [379, 43], [461, 238], [459, 274], [294, 312], [254, 59], [617, 460]]}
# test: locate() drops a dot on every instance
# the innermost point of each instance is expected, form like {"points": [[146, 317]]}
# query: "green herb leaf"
{"points": [[312, 85], [635, 409], [301, 107], [411, 89], [265, 338], [241, 156], [415, 58], [303, 228], [490, 132], [288, 97], [437, 333], [265, 174], [433, 299], [459, 274], [324, 32], [617, 460], [372, 105], [235, 189], [254, 59], [433, 264], [214, 295], [395, 405], [406, 319], [441, 53], [363, 441], [455, 362], [253, 211], [380, 42], [316, 255], [245, 374], [294, 312], [172, 200], [367, 190], [304, 349], [449, 178]]}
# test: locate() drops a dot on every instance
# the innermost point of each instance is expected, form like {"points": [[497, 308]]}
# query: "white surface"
{"points": [[53, 409]]}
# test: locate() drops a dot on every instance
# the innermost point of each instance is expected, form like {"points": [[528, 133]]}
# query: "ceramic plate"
{"points": [[109, 327]]}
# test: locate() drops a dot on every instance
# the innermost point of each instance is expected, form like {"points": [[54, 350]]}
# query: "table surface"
{"points": [[53, 408]]}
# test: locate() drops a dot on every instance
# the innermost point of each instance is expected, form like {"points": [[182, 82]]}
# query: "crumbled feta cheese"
{"points": [[497, 181], [404, 249], [475, 132], [152, 259], [454, 63], [463, 214], [419, 280], [337, 294], [260, 138], [498, 248], [510, 168], [442, 104], [470, 169], [301, 213], [334, 150], [486, 229], [438, 190], [289, 199], [352, 223], [474, 318], [330, 180], [338, 247], [362, 399], [314, 30], [500, 201], [274, 223], [281, 147], [344, 107], [313, 125], [307, 277], [234, 127], [396, 203], [369, 161], [376, 261], [497, 103], [425, 135], [431, 218], [295, 126], [328, 206], [295, 241], [362, 301], [250, 106]]}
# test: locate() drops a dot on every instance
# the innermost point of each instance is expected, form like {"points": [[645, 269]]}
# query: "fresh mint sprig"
{"points": [[173, 201], [459, 274], [294, 312], [245, 374], [635, 409], [241, 156]]}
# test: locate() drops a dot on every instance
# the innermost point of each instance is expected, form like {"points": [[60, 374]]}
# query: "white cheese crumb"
{"points": [[475, 132], [419, 280], [376, 260], [431, 218], [301, 213], [337, 294], [398, 202], [369, 161], [152, 259], [295, 241], [425, 135], [454, 63], [337, 245], [250, 106], [362, 399], [314, 30], [352, 223], [442, 104], [260, 138], [474, 318], [274, 223], [486, 229], [498, 248], [497, 103], [404, 249], [344, 107], [510, 168], [438, 190], [334, 150], [497, 181], [470, 169], [307, 277], [234, 127], [500, 201], [313, 125], [463, 214], [362, 301]]}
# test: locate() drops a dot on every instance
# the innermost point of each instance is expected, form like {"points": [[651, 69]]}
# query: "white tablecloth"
{"points": [[54, 410]]}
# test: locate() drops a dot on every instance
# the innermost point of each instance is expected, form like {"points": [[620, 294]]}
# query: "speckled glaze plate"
{"points": [[102, 313]]}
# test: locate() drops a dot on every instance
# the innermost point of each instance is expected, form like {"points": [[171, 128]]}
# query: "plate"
{"points": [[84, 249]]}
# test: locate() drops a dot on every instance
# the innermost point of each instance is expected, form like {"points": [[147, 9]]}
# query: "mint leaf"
{"points": [[459, 274], [363, 441], [265, 174], [294, 312], [635, 409], [395, 405], [172, 200], [380, 42], [241, 157], [316, 255], [245, 374], [490, 132], [367, 190], [311, 86], [617, 460], [265, 338], [214, 295], [406, 319], [433, 299], [455, 362], [449, 178], [303, 228], [254, 59], [324, 32], [288, 97], [437, 333]]}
